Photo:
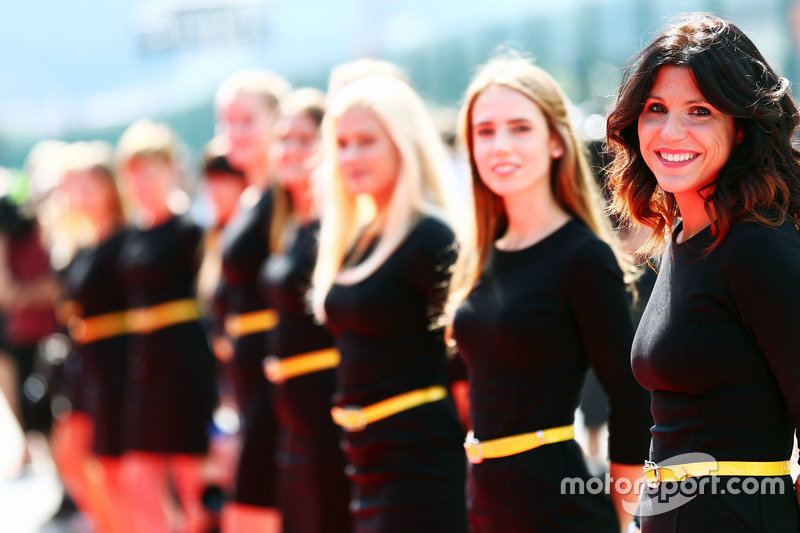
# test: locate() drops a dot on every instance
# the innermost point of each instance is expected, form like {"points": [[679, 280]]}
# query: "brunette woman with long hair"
{"points": [[537, 297]]}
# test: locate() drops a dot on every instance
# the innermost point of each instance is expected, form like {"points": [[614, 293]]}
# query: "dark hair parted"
{"points": [[760, 182]]}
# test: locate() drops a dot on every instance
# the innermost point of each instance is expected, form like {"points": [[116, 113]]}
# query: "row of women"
{"points": [[530, 292]]}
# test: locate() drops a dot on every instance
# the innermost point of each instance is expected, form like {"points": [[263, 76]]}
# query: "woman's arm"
{"points": [[597, 298]]}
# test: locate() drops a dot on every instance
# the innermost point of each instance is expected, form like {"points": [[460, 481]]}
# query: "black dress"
{"points": [[534, 323], [172, 387], [407, 469], [94, 286], [719, 346], [314, 489], [245, 247]]}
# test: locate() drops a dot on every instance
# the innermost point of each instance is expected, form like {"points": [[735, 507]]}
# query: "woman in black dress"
{"points": [[171, 391], [379, 284], [538, 297], [702, 132], [247, 108], [302, 363], [97, 325]]}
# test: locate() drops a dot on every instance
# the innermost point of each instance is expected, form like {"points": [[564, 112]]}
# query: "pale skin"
{"points": [[298, 141], [678, 121], [369, 162], [513, 148], [248, 124]]}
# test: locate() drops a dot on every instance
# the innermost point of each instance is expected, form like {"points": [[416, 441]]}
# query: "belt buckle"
{"points": [[472, 447], [272, 369], [652, 468], [351, 418]]}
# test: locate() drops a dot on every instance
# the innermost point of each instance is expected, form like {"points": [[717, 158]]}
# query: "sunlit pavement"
{"points": [[30, 495], [31, 498]]}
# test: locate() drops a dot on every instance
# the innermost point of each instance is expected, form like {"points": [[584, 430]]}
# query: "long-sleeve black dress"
{"points": [[407, 469], [172, 389], [719, 346], [245, 247], [314, 489], [531, 327], [93, 284]]}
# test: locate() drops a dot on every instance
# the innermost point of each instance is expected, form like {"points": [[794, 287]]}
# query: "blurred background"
{"points": [[85, 69]]}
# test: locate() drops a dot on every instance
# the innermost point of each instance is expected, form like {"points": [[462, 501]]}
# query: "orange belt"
{"points": [[98, 327], [279, 370], [149, 319], [477, 450], [252, 322], [355, 418]]}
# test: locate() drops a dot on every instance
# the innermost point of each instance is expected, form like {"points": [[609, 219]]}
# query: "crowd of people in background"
{"points": [[381, 325]]}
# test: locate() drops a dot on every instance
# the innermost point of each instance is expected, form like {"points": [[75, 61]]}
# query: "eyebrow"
{"points": [[511, 121], [688, 102]]}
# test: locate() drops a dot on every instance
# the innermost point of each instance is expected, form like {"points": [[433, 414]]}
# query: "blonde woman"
{"points": [[538, 297], [171, 389], [247, 108], [379, 284]]}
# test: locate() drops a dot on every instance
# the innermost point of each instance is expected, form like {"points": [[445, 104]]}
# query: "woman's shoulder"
{"points": [[753, 246], [583, 247], [429, 233]]}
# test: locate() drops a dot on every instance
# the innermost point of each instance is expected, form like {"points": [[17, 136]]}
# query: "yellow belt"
{"points": [[95, 328], [252, 322], [279, 370], [148, 319], [655, 474], [354, 418], [477, 451]]}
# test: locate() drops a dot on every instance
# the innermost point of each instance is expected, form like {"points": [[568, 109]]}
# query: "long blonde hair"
{"points": [[425, 177], [571, 180]]}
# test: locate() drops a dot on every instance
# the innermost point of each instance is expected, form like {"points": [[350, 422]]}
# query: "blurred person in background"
{"points": [[379, 285], [172, 392], [314, 490], [222, 186], [28, 286], [537, 297], [87, 435], [247, 106], [351, 71]]}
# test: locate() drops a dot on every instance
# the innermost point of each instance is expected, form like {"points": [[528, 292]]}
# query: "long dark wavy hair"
{"points": [[760, 182]]}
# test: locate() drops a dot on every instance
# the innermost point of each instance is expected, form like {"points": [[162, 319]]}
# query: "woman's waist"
{"points": [[243, 299], [368, 392], [296, 335]]}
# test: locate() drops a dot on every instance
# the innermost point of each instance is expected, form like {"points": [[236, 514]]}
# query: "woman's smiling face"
{"points": [[684, 140]]}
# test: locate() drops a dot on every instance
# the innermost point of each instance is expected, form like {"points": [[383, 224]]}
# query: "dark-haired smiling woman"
{"points": [[702, 133]]}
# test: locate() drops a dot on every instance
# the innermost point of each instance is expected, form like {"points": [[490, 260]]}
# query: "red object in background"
{"points": [[28, 263]]}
